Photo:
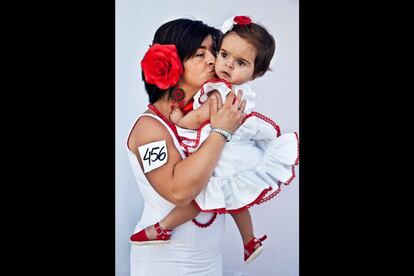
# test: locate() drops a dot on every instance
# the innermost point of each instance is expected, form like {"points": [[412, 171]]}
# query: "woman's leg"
{"points": [[176, 217]]}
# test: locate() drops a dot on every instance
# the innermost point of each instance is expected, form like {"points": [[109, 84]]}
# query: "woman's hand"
{"points": [[230, 115]]}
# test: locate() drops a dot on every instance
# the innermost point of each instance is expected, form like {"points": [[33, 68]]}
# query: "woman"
{"points": [[165, 176]]}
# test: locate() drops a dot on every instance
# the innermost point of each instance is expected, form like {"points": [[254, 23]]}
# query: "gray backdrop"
{"points": [[278, 98]]}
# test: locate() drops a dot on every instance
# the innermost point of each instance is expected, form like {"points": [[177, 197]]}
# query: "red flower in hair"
{"points": [[162, 66], [242, 20]]}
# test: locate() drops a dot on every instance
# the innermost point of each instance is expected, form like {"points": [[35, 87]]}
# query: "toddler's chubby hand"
{"points": [[175, 115]]}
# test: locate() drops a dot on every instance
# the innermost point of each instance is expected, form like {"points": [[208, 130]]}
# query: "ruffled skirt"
{"points": [[249, 173]]}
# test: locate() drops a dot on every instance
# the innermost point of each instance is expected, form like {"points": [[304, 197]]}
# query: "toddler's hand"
{"points": [[175, 115]]}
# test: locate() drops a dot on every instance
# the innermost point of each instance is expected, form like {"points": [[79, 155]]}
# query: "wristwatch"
{"points": [[226, 134]]}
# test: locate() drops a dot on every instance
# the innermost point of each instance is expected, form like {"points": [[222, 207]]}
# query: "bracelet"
{"points": [[226, 134]]}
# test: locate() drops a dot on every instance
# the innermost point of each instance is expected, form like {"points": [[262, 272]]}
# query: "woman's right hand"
{"points": [[230, 115]]}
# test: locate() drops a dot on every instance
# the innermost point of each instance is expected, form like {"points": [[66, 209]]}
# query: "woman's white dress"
{"points": [[192, 250], [250, 171]]}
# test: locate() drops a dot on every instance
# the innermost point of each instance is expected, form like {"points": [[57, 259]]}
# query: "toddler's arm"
{"points": [[195, 118], [176, 115]]}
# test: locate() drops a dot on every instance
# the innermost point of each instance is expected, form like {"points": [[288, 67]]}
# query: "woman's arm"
{"points": [[180, 181]]}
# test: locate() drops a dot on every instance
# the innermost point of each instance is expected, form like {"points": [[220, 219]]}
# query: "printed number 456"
{"points": [[152, 155]]}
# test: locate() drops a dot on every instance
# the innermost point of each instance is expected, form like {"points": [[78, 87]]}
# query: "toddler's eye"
{"points": [[241, 63]]}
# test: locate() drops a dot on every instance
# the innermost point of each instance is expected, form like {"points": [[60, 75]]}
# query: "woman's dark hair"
{"points": [[187, 35], [262, 41]]}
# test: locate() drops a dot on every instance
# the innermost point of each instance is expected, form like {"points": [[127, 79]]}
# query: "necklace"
{"points": [[178, 96], [170, 124]]}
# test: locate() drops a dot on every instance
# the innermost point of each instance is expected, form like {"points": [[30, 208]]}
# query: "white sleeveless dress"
{"points": [[253, 165], [192, 251]]}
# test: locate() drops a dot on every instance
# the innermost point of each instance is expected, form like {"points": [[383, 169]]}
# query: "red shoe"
{"points": [[250, 247], [140, 238]]}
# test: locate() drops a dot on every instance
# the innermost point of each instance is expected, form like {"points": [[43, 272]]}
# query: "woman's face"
{"points": [[199, 67]]}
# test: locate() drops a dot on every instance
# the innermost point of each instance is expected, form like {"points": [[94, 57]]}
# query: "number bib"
{"points": [[153, 155]]}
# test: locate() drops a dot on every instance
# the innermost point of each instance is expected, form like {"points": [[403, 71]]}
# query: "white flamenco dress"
{"points": [[192, 251], [253, 165]]}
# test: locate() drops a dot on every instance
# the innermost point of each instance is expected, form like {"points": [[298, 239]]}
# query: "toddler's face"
{"points": [[235, 60]]}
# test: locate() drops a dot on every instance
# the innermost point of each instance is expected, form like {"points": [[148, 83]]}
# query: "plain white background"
{"points": [[278, 98]]}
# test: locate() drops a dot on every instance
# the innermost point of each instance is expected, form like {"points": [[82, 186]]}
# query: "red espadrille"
{"points": [[253, 252], [141, 238]]}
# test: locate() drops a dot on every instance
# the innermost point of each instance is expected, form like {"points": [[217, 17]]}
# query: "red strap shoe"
{"points": [[250, 248], [141, 238]]}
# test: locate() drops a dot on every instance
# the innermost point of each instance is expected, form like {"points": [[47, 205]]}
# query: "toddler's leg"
{"points": [[252, 246], [244, 223], [176, 217]]}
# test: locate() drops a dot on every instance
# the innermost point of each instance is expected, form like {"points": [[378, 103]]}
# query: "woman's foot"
{"points": [[152, 234], [253, 248]]}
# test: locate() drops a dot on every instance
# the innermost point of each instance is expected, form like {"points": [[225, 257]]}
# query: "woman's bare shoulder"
{"points": [[147, 130]]}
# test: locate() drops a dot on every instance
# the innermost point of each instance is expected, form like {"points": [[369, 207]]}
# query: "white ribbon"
{"points": [[227, 25]]}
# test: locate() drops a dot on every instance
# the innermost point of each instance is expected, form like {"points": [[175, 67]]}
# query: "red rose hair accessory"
{"points": [[162, 66], [242, 20], [235, 20]]}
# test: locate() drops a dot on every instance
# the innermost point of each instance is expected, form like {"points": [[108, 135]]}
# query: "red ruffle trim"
{"points": [[264, 118], [196, 141], [208, 223], [258, 200], [212, 81], [262, 197]]}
